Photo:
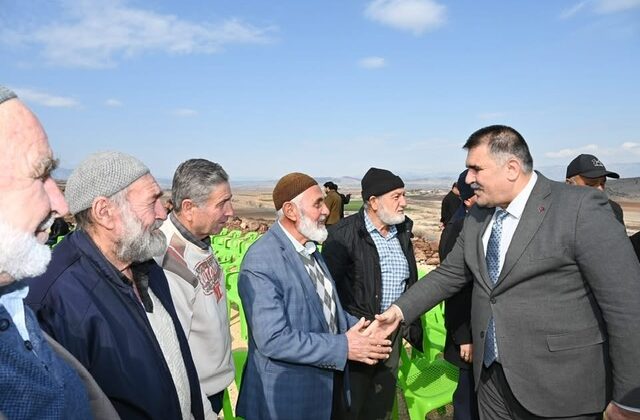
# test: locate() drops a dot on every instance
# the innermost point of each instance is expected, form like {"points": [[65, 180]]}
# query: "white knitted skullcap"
{"points": [[101, 174]]}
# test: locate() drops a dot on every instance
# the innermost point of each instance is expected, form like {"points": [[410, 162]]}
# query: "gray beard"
{"points": [[138, 244], [388, 218]]}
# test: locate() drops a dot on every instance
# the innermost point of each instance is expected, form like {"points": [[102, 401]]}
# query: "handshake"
{"points": [[368, 341]]}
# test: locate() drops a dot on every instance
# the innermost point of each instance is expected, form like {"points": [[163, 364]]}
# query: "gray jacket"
{"points": [[566, 305]]}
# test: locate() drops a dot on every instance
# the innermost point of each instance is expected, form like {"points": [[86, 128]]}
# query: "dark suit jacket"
{"points": [[565, 305], [457, 309]]}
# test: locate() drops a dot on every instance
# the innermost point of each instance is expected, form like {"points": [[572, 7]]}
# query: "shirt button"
{"points": [[493, 300], [28, 345], [4, 324], [481, 334]]}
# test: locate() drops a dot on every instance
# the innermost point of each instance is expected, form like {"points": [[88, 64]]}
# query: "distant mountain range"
{"points": [[628, 186]]}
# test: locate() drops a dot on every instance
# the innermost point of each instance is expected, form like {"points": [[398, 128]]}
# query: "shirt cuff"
{"points": [[625, 407]]}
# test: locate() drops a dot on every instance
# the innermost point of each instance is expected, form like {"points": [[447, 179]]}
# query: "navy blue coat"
{"points": [[82, 302]]}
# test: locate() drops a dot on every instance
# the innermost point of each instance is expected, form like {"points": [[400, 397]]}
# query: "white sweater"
{"points": [[198, 290]]}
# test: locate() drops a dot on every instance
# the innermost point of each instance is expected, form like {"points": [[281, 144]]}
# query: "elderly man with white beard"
{"points": [[371, 259], [35, 382], [108, 303], [300, 338]]}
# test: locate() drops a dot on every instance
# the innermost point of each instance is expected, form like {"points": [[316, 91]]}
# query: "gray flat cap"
{"points": [[101, 175], [6, 94]]}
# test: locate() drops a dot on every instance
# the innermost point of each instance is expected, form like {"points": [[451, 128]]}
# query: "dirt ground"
{"points": [[423, 208]]}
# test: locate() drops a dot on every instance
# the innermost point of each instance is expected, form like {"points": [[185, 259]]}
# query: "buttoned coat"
{"points": [[292, 354], [565, 304]]}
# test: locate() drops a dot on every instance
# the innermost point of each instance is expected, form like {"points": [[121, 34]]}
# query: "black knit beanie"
{"points": [[377, 182]]}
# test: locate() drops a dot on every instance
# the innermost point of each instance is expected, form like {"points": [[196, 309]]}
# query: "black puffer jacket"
{"points": [[353, 260]]}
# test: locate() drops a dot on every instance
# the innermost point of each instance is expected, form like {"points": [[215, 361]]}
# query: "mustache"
{"points": [[46, 223], [474, 186]]}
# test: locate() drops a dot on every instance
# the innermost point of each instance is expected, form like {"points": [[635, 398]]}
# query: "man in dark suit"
{"points": [[589, 171], [555, 291], [458, 347], [300, 337]]}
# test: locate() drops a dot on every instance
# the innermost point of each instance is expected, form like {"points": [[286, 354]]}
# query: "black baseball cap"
{"points": [[588, 166], [466, 192]]}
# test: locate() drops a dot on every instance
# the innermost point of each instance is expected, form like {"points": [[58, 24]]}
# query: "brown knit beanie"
{"points": [[289, 186]]}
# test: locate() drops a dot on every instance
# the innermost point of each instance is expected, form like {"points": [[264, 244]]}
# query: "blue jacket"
{"points": [[82, 302], [292, 353], [34, 382]]}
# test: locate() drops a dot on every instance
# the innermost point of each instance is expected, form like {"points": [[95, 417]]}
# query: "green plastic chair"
{"points": [[426, 384], [233, 297], [251, 236], [239, 360], [434, 334]]}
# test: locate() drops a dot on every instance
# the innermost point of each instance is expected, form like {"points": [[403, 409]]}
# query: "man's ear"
{"points": [[186, 209], [373, 203], [103, 212], [514, 169], [290, 211]]}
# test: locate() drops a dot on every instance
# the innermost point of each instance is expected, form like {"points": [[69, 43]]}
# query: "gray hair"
{"points": [[195, 179], [297, 200], [84, 220]]}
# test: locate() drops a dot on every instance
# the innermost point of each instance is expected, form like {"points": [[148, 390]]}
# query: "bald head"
{"points": [[30, 196]]}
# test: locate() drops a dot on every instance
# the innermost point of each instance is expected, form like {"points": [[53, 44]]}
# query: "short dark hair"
{"points": [[502, 140], [330, 185]]}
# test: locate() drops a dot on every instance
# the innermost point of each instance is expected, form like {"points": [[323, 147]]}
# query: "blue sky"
{"points": [[327, 87]]}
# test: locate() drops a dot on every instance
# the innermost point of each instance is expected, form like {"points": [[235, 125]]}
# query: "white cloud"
{"points": [[96, 34], [613, 6], [572, 11], [185, 112], [491, 115], [571, 153], [45, 99], [600, 7], [372, 62], [630, 145], [416, 16], [114, 103]]}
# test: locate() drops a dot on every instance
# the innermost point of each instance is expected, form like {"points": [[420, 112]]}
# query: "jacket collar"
{"points": [[85, 245], [293, 260]]}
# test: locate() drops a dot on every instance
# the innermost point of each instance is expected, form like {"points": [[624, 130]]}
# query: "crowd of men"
{"points": [[128, 317]]}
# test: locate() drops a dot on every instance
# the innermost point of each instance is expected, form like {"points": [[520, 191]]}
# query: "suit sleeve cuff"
{"points": [[626, 407]]}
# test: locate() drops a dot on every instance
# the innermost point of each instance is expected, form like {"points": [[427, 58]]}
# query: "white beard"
{"points": [[21, 255], [316, 232], [138, 244], [389, 218]]}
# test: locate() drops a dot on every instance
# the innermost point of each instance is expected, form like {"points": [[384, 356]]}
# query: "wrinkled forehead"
{"points": [[145, 187]]}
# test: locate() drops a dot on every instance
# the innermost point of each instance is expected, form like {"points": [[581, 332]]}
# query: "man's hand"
{"points": [[385, 323], [615, 412], [366, 349], [466, 352]]}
